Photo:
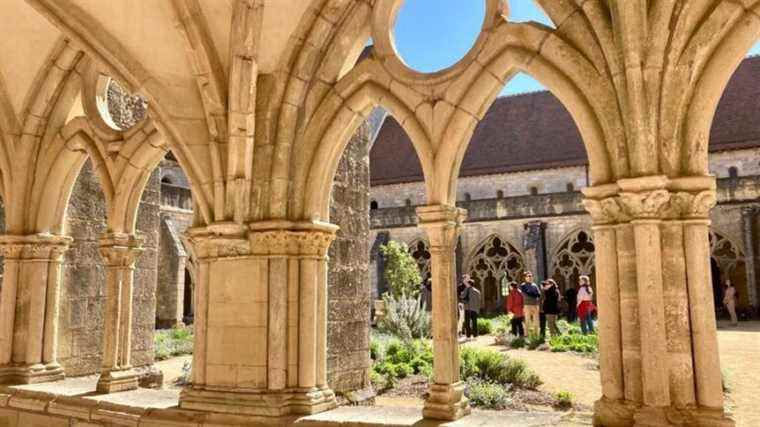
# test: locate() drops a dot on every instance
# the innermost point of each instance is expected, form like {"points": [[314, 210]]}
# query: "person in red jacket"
{"points": [[515, 305], [586, 306]]}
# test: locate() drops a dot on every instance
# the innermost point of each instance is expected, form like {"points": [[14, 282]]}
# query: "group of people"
{"points": [[533, 306]]}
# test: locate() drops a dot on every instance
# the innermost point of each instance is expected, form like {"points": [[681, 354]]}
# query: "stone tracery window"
{"points": [[420, 251], [574, 257], [119, 109], [488, 264], [730, 261]]}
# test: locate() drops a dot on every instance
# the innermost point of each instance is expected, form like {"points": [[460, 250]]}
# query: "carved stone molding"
{"points": [[120, 250], [443, 224], [651, 198], [34, 247]]}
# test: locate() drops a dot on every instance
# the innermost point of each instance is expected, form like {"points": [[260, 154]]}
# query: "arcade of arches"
{"points": [[257, 100]]}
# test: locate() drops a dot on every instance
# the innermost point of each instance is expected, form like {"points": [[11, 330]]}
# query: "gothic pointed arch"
{"points": [[488, 263], [573, 257], [728, 256]]}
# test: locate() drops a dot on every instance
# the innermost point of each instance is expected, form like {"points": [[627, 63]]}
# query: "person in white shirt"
{"points": [[586, 308], [729, 300]]}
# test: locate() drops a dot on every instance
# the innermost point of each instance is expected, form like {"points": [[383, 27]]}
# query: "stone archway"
{"points": [[488, 263]]}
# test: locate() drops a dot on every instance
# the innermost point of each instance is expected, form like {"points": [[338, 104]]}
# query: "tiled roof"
{"points": [[534, 131]]}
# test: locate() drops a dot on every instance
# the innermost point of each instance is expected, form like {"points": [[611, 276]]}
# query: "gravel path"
{"points": [[740, 359]]}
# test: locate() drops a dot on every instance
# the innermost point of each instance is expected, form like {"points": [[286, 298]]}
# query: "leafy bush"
{"points": [[564, 399], [491, 366], [534, 341], [502, 324], [517, 343], [575, 342], [487, 395], [400, 359], [401, 271], [485, 327], [173, 342], [404, 317]]}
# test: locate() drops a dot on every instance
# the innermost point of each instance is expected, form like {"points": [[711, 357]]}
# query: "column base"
{"points": [[31, 374], [116, 381], [266, 403], [613, 413], [446, 402]]}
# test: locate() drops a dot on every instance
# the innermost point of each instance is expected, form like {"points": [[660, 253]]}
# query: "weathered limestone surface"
{"points": [[348, 292], [84, 279]]}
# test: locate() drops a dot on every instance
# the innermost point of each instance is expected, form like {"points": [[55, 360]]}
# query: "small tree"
{"points": [[401, 271]]}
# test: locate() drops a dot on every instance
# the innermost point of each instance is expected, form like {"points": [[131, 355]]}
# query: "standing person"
{"points": [[471, 310], [551, 305], [729, 300], [515, 305], [571, 299], [541, 313], [460, 306], [586, 305], [427, 295], [531, 299]]}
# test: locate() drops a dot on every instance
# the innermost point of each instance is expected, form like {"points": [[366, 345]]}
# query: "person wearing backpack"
{"points": [[531, 301], [551, 305]]}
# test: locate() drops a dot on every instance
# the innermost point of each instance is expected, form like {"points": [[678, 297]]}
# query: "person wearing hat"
{"points": [[471, 298], [551, 305]]}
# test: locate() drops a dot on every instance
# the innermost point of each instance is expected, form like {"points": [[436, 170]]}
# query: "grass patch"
{"points": [[564, 399], [173, 342]]}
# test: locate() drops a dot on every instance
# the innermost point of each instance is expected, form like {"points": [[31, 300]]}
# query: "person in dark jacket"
{"points": [[531, 301], [571, 295], [471, 298], [551, 305]]}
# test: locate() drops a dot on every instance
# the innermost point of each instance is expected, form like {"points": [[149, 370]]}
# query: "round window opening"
{"points": [[119, 109], [432, 35]]}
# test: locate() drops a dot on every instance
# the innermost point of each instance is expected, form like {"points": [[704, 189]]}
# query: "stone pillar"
{"points": [[658, 342], [534, 243], [261, 319], [119, 251], [29, 307], [748, 218], [443, 225]]}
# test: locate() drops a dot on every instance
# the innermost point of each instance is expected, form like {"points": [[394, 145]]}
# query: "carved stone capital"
{"points": [[120, 250], [288, 238], [273, 242], [692, 205], [645, 205], [606, 211], [314, 242], [443, 224], [219, 240], [34, 246]]}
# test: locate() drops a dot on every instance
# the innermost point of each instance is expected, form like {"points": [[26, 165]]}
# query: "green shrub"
{"points": [[487, 395], [485, 327], [517, 343], [564, 399], [534, 341], [401, 271], [399, 359], [173, 342], [404, 317], [575, 342], [491, 366], [502, 324]]}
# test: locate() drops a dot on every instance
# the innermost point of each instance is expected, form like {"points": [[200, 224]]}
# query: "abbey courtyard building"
{"points": [[235, 166], [521, 182]]}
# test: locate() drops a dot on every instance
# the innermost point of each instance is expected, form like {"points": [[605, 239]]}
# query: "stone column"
{"points": [[666, 335], [612, 409], [120, 251], [261, 319], [748, 218], [534, 243], [443, 225], [29, 307]]}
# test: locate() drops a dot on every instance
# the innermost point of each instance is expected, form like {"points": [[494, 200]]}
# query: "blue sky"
{"points": [[434, 34]]}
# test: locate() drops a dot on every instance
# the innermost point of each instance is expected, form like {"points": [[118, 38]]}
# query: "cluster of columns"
{"points": [[658, 342], [29, 306], [261, 319], [120, 252]]}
